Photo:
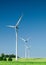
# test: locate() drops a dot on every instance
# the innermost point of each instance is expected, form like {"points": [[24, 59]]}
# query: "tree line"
{"points": [[4, 57]]}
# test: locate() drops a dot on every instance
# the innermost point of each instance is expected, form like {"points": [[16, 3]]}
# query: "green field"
{"points": [[33, 61], [22, 63]]}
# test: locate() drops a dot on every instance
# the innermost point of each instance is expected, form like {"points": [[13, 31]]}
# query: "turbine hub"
{"points": [[16, 27]]}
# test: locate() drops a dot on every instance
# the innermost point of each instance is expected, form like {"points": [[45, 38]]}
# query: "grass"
{"points": [[33, 61], [22, 63]]}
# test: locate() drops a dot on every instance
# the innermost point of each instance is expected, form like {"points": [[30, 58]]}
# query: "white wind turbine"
{"points": [[28, 51], [25, 41], [16, 29]]}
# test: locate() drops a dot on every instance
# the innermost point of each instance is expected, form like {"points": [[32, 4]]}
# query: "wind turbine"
{"points": [[28, 50], [25, 51], [16, 29], [25, 41]]}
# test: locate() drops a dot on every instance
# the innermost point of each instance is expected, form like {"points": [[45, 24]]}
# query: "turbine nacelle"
{"points": [[26, 41]]}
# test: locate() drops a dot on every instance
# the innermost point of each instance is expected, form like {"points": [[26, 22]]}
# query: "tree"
{"points": [[1, 58], [2, 55], [4, 58], [12, 56], [9, 59], [6, 55]]}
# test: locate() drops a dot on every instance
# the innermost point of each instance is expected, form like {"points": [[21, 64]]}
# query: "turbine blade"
{"points": [[22, 39], [26, 46], [10, 26], [19, 21], [29, 47]]}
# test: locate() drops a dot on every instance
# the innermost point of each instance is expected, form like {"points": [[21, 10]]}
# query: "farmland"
{"points": [[33, 61], [22, 63]]}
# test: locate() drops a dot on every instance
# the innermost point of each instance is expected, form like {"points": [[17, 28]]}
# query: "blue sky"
{"points": [[33, 25]]}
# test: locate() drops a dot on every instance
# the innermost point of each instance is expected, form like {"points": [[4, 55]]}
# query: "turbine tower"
{"points": [[25, 41], [16, 29]]}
